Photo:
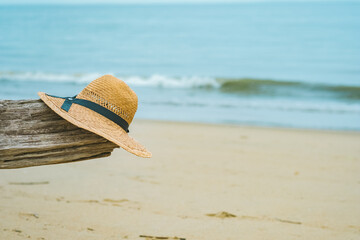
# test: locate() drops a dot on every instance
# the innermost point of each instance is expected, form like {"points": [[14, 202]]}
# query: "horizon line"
{"points": [[155, 2]]}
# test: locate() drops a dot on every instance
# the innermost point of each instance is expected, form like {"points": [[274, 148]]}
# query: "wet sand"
{"points": [[203, 182]]}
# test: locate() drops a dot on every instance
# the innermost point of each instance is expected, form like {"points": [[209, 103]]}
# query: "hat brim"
{"points": [[96, 123]]}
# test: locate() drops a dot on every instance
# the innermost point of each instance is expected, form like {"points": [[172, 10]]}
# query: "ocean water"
{"points": [[268, 64]]}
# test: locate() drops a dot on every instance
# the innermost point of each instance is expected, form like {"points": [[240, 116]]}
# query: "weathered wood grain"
{"points": [[31, 134]]}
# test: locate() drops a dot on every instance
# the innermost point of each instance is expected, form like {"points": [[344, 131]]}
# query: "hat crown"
{"points": [[113, 94]]}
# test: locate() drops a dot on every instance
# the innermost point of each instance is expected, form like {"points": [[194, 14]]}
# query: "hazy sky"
{"points": [[145, 1]]}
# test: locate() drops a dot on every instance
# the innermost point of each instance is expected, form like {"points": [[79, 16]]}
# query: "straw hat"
{"points": [[105, 107]]}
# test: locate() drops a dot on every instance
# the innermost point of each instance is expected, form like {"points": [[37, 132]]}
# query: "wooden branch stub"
{"points": [[31, 134]]}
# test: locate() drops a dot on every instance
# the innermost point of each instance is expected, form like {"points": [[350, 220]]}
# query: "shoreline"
{"points": [[250, 126]]}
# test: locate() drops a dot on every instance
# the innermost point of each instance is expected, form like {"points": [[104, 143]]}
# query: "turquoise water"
{"points": [[270, 64]]}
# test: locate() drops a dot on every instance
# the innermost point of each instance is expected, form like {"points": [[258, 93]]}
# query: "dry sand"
{"points": [[203, 182]]}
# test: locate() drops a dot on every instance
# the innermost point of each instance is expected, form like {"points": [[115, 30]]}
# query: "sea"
{"points": [[273, 64]]}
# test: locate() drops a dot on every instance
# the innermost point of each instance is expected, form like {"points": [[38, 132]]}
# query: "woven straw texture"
{"points": [[112, 94]]}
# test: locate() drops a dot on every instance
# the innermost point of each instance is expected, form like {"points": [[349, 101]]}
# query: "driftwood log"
{"points": [[31, 134]]}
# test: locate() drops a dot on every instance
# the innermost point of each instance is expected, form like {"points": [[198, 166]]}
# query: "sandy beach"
{"points": [[204, 182]]}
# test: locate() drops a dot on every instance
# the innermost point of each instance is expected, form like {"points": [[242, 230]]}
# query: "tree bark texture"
{"points": [[31, 134]]}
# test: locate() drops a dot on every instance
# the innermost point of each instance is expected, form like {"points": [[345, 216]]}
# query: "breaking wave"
{"points": [[81, 78], [241, 86]]}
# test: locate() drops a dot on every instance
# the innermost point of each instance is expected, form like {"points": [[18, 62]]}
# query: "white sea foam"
{"points": [[242, 87], [49, 77], [151, 81], [172, 82]]}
